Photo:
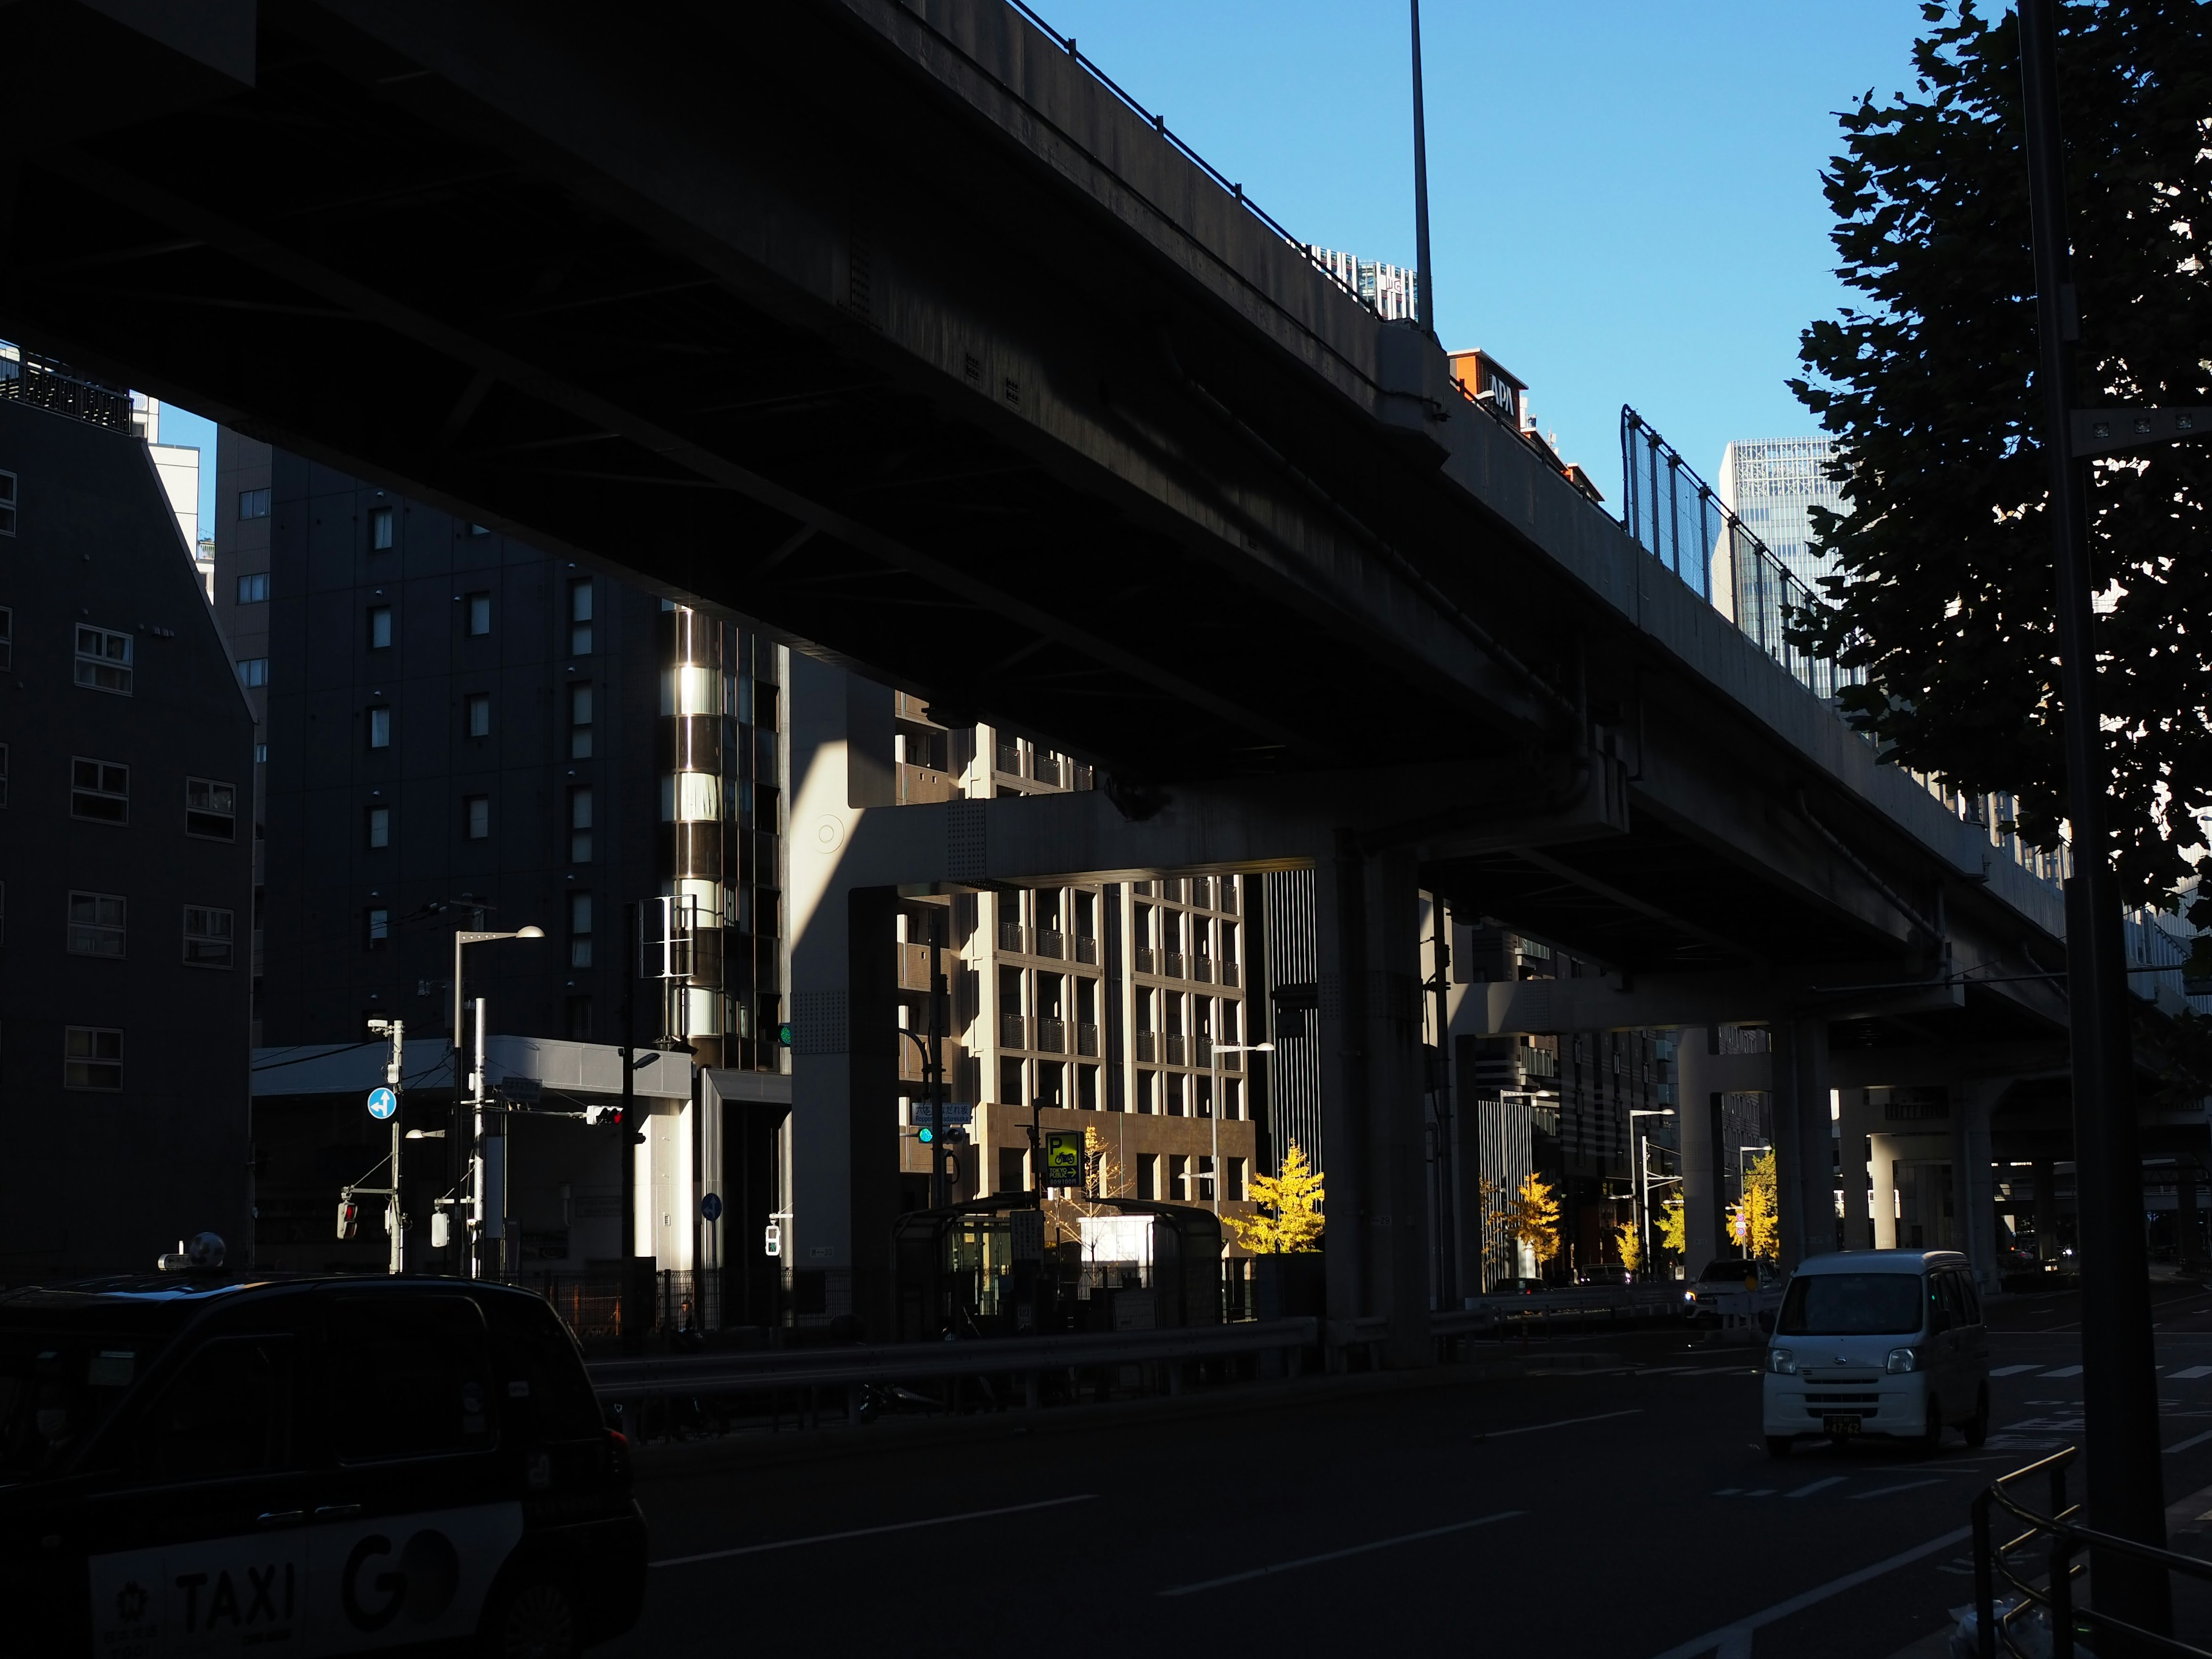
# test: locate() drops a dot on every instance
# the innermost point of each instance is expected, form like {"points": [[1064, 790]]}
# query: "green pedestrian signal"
{"points": [[783, 1035], [927, 1134]]}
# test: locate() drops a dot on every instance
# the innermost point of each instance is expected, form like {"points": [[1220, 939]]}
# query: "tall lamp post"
{"points": [[462, 940], [1643, 1174], [1213, 1106]]}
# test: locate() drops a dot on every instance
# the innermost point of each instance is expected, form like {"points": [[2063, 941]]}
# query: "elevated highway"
{"points": [[890, 325]]}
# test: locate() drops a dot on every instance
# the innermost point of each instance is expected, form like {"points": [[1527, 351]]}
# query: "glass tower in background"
{"points": [[1770, 483]]}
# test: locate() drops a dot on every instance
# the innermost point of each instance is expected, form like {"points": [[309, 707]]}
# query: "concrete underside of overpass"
{"points": [[887, 325]]}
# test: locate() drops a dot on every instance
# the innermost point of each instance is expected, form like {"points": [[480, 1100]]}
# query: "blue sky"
{"points": [[1624, 199]]}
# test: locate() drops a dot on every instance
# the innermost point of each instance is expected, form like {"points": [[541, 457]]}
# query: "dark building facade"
{"points": [[456, 726], [126, 851]]}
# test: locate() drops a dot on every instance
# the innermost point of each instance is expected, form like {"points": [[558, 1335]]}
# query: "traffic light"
{"points": [[349, 1218], [927, 1134], [783, 1035]]}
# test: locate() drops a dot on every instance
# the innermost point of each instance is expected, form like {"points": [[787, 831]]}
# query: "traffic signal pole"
{"points": [[632, 1315], [2119, 1388], [395, 1222]]}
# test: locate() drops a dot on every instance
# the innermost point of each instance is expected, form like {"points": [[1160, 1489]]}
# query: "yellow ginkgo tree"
{"points": [[1673, 1227], [1631, 1246], [1755, 1223], [1287, 1219], [1534, 1216]]}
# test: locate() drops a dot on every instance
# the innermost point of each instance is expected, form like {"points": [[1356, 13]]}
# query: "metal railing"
{"points": [[1160, 124], [1050, 1036], [1012, 936], [2063, 1539], [1676, 517], [1086, 1040], [1007, 757], [44, 383], [1144, 959], [1148, 1045], [1013, 1031], [1201, 966], [1086, 950], [1048, 942], [1045, 767]]}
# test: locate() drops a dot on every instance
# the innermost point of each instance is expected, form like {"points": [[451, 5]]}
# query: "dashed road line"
{"points": [[2187, 1375], [1808, 1490], [1561, 1423], [1890, 1492], [2014, 1370], [1338, 1555], [2065, 1370], [1734, 1641], [2193, 1440], [869, 1532]]}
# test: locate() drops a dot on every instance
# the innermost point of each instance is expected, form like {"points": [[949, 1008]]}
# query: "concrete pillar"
{"points": [[1371, 1098], [1698, 1103], [1854, 1123], [1974, 1183], [2046, 1210], [1804, 1142], [1883, 1153]]}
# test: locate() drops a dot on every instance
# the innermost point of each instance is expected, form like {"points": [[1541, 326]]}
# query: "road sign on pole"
{"points": [[1063, 1158], [382, 1104], [772, 1239], [710, 1207]]}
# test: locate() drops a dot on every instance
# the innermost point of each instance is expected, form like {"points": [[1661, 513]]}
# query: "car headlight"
{"points": [[1781, 1360], [1689, 1296], [1902, 1360]]}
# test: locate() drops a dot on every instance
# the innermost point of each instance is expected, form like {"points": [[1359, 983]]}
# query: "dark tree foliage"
{"points": [[1944, 582]]}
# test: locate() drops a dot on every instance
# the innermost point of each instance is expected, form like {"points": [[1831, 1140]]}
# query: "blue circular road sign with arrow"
{"points": [[710, 1207], [382, 1104]]}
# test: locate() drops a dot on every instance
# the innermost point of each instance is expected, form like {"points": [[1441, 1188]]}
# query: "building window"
{"points": [[380, 529], [379, 728], [479, 613], [253, 503], [95, 924], [1148, 1174], [253, 672], [1013, 1174], [99, 790], [580, 722], [1233, 1190], [379, 627], [253, 589], [92, 1058], [579, 618], [211, 809], [476, 813], [207, 935], [580, 930], [260, 754], [7, 503], [103, 659], [379, 826], [7, 638], [580, 826], [378, 928], [480, 714]]}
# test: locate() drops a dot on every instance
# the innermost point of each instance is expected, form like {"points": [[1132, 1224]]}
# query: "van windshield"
{"points": [[1851, 1304]]}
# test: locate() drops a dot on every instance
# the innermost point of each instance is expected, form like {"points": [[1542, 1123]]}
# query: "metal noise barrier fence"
{"points": [[1676, 517]]}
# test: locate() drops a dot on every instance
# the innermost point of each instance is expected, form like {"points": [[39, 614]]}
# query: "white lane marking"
{"points": [[2012, 1370], [2065, 1370], [2193, 1440], [1564, 1422], [1887, 1491], [1727, 1491], [2188, 1376], [1760, 1491], [869, 1532], [1808, 1491], [1338, 1555], [1734, 1641]]}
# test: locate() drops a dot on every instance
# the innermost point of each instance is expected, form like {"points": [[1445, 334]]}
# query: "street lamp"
{"points": [[1213, 1106], [1644, 1175], [462, 940]]}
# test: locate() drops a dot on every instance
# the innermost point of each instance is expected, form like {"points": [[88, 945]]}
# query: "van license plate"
{"points": [[1839, 1427]]}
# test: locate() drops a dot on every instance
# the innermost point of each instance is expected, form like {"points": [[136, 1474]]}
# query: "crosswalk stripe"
{"points": [[2192, 1373], [2013, 1370], [2065, 1370]]}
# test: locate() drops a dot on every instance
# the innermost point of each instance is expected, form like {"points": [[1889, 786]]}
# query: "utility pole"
{"points": [[633, 1314], [395, 1222], [2119, 1387], [933, 1074], [1441, 1104], [1424, 303]]}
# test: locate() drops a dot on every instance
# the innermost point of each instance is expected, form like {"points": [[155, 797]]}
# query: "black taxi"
{"points": [[305, 1466]]}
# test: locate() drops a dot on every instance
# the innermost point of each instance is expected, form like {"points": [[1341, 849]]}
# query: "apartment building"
{"points": [[1121, 1006], [125, 853]]}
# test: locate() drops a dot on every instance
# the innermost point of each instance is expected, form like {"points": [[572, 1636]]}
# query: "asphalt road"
{"points": [[1625, 1512]]}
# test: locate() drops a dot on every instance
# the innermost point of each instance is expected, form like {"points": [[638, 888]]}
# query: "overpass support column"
{"points": [[1371, 1104], [1974, 1183], [1883, 1152], [1699, 1100], [1804, 1141]]}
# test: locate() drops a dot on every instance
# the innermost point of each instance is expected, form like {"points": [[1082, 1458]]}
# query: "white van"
{"points": [[1887, 1342]]}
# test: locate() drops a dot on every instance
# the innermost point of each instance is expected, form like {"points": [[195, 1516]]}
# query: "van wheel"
{"points": [[536, 1619], [1978, 1425], [1931, 1437], [1779, 1445]]}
